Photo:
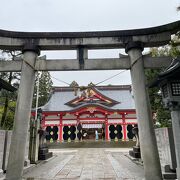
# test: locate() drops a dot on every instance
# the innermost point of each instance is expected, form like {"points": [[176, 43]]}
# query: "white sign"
{"points": [[88, 126]]}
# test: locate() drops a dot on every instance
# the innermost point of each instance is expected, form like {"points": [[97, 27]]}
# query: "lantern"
{"points": [[169, 83]]}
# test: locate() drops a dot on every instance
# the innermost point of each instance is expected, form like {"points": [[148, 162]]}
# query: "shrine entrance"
{"points": [[93, 132]]}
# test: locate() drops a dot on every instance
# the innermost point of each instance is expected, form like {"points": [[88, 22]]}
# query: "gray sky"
{"points": [[86, 15]]}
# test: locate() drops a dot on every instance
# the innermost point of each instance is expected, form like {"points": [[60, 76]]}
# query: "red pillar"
{"points": [[60, 129], [77, 122], [124, 127], [106, 129]]}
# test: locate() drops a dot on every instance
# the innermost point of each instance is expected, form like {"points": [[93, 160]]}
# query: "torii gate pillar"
{"points": [[148, 144], [22, 116]]}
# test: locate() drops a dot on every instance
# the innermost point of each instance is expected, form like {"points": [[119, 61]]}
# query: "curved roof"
{"points": [[62, 95], [172, 72]]}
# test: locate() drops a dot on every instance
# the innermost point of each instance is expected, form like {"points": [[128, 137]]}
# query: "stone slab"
{"points": [[169, 176], [93, 144], [166, 147], [9, 134], [2, 139]]}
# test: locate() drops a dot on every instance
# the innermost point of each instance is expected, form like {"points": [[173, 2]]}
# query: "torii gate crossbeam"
{"points": [[89, 64]]}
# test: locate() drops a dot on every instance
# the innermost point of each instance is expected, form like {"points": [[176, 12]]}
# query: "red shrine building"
{"points": [[102, 112]]}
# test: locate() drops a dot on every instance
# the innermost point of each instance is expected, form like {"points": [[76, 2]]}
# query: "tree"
{"points": [[45, 86], [162, 115], [8, 99]]}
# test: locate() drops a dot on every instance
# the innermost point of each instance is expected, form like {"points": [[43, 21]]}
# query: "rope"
{"points": [[96, 83], [135, 61], [110, 77], [60, 80]]}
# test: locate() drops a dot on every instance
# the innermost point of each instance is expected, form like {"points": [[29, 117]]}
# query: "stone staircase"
{"points": [[92, 144]]}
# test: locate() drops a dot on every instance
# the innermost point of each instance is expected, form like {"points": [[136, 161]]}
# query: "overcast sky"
{"points": [[86, 15]]}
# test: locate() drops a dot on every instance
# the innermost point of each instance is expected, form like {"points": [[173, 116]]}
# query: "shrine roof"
{"points": [[121, 96], [172, 72]]}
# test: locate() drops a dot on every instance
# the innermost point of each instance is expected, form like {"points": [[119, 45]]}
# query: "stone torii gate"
{"points": [[134, 41]]}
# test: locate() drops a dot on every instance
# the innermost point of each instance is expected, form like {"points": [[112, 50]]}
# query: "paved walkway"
{"points": [[87, 164]]}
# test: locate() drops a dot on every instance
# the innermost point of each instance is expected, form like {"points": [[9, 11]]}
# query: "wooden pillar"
{"points": [[61, 128], [106, 129], [124, 127], [77, 122]]}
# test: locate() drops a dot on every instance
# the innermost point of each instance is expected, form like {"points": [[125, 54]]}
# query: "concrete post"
{"points": [[22, 117], [82, 56], [34, 142], [148, 144], [175, 114]]}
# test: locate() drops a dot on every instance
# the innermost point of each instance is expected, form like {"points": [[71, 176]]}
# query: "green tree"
{"points": [[7, 107], [162, 115], [45, 86]]}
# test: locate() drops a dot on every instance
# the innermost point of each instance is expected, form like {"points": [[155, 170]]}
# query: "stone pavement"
{"points": [[87, 163]]}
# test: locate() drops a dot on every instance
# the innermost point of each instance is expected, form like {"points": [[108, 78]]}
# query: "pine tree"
{"points": [[45, 86]]}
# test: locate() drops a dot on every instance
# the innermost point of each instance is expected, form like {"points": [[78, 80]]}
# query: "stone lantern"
{"points": [[169, 83]]}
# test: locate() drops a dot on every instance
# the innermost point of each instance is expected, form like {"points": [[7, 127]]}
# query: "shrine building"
{"points": [[101, 112]]}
